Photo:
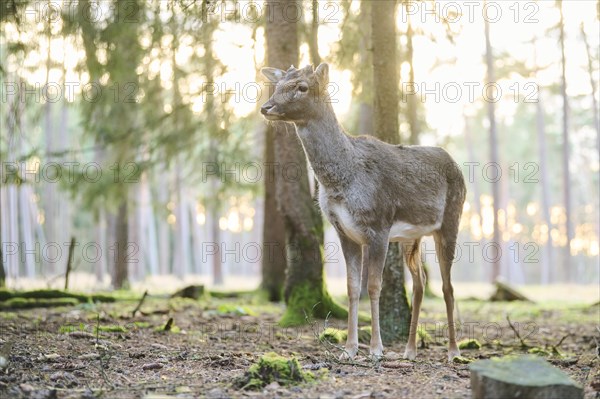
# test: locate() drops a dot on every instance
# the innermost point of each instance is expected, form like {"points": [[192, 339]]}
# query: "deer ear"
{"points": [[322, 74], [273, 74]]}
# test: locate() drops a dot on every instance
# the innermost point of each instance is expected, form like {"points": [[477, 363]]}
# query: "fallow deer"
{"points": [[373, 193]]}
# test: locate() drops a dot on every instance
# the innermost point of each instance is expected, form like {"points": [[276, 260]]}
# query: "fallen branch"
{"points": [[169, 325], [523, 344], [139, 305], [69, 263]]}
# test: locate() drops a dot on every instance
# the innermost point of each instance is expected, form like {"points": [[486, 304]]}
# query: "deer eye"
{"points": [[303, 88]]}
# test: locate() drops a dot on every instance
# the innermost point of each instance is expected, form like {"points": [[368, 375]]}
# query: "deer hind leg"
{"points": [[445, 244], [412, 254], [375, 254], [352, 255]]}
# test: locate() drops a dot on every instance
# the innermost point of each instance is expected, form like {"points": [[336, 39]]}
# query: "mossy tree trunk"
{"points": [[394, 309], [305, 292]]}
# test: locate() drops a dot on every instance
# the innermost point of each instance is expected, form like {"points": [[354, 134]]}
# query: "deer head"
{"points": [[299, 93]]}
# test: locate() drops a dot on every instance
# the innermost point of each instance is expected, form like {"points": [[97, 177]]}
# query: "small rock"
{"points": [[397, 365], [152, 366], [216, 393], [26, 388], [273, 386], [392, 355], [159, 347], [89, 356], [81, 335]]}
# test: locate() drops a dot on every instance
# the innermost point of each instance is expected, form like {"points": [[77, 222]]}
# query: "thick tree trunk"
{"points": [[494, 158], [394, 309], [274, 259], [305, 292], [565, 153]]}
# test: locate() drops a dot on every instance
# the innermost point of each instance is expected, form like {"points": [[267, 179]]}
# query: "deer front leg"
{"points": [[375, 254], [352, 255]]}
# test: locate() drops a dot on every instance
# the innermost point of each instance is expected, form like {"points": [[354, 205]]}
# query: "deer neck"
{"points": [[327, 146]]}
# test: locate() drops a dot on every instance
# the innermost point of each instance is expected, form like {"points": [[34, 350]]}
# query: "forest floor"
{"points": [[61, 352]]}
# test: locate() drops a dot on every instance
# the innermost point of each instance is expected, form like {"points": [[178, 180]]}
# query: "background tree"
{"points": [[494, 159], [305, 291], [565, 149], [395, 312]]}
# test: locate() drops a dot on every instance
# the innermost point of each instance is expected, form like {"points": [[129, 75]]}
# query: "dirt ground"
{"points": [[58, 352]]}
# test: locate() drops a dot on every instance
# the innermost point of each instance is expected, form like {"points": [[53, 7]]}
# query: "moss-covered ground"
{"points": [[87, 348]]}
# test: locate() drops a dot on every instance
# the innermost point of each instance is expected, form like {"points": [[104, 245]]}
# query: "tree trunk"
{"points": [[394, 308], [215, 240], [547, 261], [120, 271], [305, 292], [494, 158], [273, 259], [313, 44], [411, 105], [565, 153], [591, 72], [2, 270]]}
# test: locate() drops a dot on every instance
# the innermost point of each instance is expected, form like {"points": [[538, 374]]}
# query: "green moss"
{"points": [[115, 328], [312, 301], [6, 295], [236, 310], [333, 335], [461, 360], [469, 344], [272, 367], [231, 294], [337, 336], [539, 351], [24, 303]]}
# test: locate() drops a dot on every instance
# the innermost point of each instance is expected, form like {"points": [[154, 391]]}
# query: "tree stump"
{"points": [[191, 292], [520, 377], [507, 293]]}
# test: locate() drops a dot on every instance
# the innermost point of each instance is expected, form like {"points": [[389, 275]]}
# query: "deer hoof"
{"points": [[452, 353], [349, 354], [410, 353]]}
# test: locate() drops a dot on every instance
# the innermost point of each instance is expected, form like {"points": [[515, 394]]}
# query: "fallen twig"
{"points": [[139, 305], [523, 344]]}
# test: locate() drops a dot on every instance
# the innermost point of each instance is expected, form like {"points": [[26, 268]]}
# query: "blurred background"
{"points": [[132, 147]]}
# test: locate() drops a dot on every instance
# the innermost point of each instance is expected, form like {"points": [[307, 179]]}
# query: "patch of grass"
{"points": [[141, 324], [469, 344], [423, 335], [8, 315], [272, 367], [69, 328]]}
